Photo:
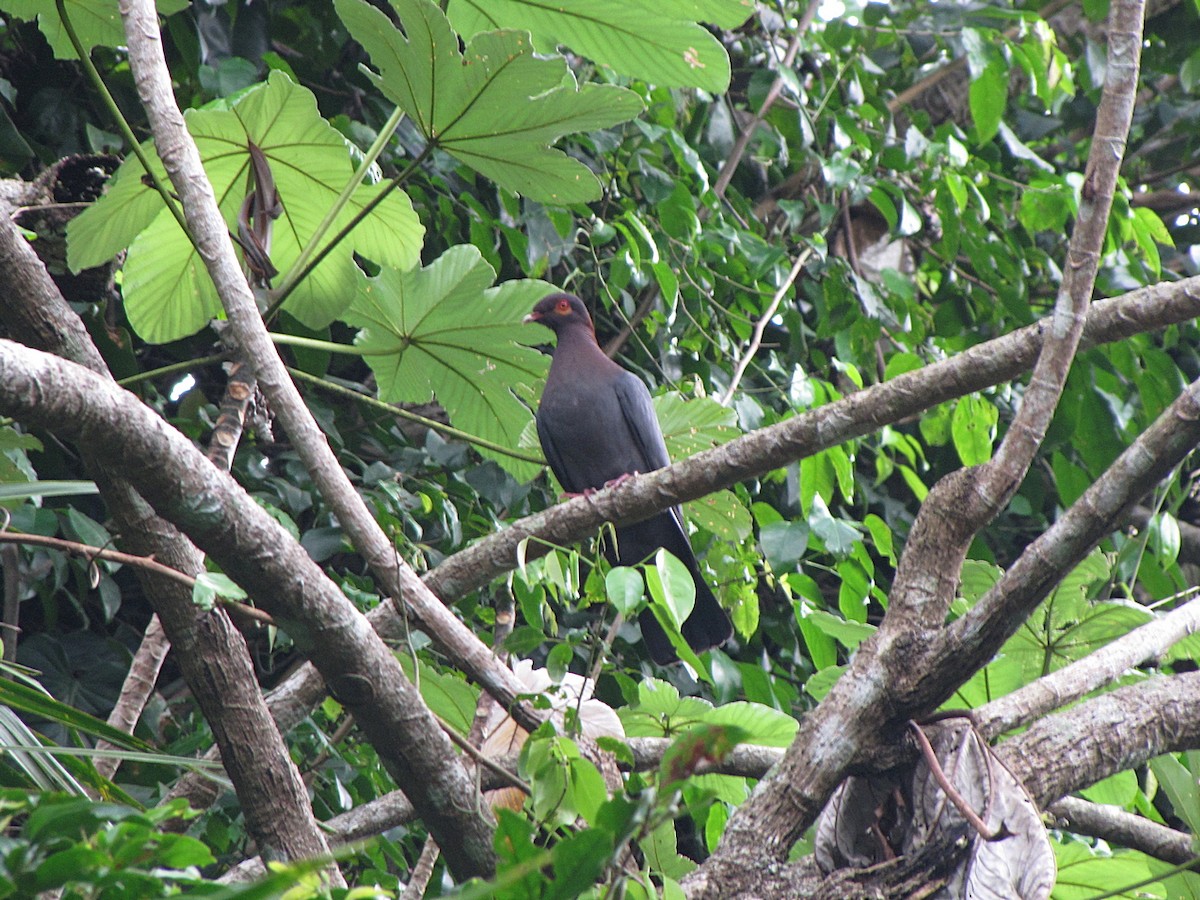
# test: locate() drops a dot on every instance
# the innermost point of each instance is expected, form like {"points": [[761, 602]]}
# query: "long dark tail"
{"points": [[708, 626]]}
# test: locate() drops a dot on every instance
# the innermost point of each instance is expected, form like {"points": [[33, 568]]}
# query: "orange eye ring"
{"points": [[562, 306]]}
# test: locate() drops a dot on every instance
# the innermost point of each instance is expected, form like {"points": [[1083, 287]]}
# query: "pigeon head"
{"points": [[559, 312]]}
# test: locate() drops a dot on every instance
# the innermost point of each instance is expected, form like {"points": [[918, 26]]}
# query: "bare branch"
{"points": [[1124, 829], [863, 709], [1104, 666], [255, 550], [212, 653], [182, 162]]}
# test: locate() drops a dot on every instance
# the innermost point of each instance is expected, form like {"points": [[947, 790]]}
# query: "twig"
{"points": [[91, 554], [739, 148], [476, 754], [761, 325]]}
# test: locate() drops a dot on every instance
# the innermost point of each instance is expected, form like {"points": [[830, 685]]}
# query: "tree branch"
{"points": [[261, 556], [182, 162], [212, 653], [1097, 669], [882, 687]]}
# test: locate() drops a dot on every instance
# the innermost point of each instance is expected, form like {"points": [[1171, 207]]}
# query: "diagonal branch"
{"points": [[982, 366], [212, 653], [963, 503], [182, 162], [879, 688], [255, 550]]}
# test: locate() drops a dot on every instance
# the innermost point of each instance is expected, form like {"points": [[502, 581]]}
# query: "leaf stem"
{"points": [[173, 368], [291, 278], [304, 265], [296, 340], [85, 58], [432, 424]]}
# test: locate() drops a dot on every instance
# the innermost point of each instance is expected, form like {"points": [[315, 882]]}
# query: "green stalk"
{"points": [[379, 405], [173, 368], [295, 340], [385, 134], [297, 274], [122, 125]]}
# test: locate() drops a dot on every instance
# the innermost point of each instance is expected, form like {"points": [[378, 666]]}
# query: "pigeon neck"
{"points": [[579, 337]]}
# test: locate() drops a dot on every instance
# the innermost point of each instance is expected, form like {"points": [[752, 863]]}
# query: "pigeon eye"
{"points": [[563, 306]]}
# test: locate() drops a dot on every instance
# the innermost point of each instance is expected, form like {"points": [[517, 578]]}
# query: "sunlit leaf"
{"points": [[659, 42], [445, 330], [167, 292], [496, 107], [96, 22]]}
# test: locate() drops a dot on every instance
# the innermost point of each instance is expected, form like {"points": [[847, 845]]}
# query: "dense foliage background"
{"points": [[767, 208]]}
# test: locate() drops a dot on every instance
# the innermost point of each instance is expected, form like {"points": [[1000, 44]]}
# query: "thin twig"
{"points": [[91, 554], [476, 754], [739, 148], [761, 325]]}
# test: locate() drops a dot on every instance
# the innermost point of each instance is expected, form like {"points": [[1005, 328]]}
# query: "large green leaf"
{"points": [[496, 107], [96, 22], [689, 427], [660, 42], [1067, 626], [443, 330], [168, 293]]}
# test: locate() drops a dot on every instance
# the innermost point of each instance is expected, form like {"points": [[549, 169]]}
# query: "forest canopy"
{"points": [[292, 604]]}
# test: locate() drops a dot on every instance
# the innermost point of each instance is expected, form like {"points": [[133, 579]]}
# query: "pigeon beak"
{"points": [[532, 317]]}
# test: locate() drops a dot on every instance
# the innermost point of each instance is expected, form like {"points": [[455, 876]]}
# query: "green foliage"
{"points": [[168, 294], [496, 108], [580, 146], [96, 22], [91, 849], [662, 44], [445, 330]]}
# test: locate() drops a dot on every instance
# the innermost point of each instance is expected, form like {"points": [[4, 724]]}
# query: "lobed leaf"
{"points": [[168, 294], [444, 330], [496, 107]]}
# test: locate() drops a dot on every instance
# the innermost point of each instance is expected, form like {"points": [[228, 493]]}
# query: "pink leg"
{"points": [[620, 479]]}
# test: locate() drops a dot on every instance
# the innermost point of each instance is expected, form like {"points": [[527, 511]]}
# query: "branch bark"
{"points": [[182, 162], [212, 653], [254, 550], [900, 672]]}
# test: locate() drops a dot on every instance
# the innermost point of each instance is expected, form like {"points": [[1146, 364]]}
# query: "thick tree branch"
{"points": [[1110, 733], [892, 678], [980, 367], [261, 556], [182, 162], [212, 652], [1097, 669]]}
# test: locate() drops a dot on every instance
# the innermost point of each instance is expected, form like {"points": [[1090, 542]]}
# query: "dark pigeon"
{"points": [[596, 425]]}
